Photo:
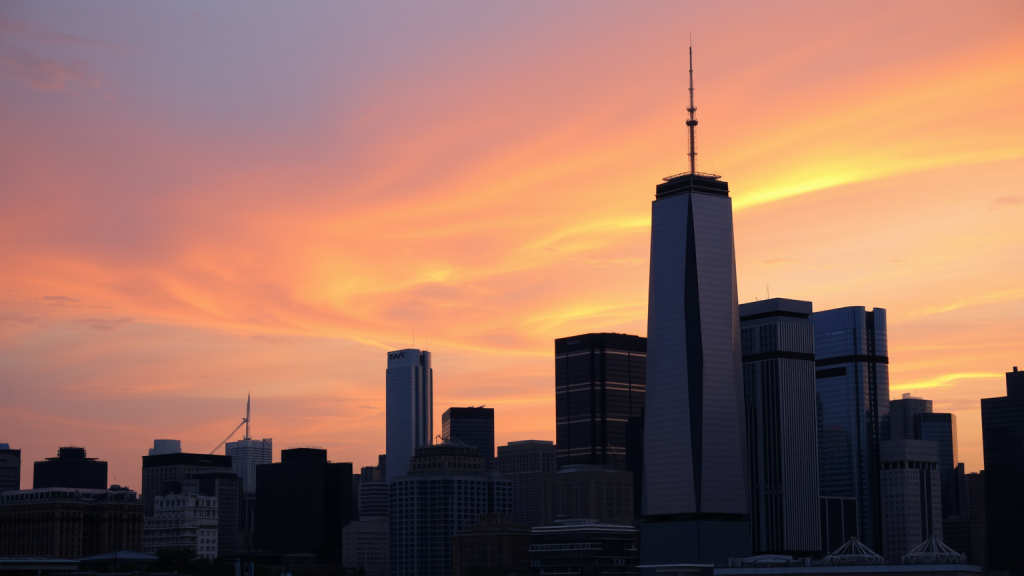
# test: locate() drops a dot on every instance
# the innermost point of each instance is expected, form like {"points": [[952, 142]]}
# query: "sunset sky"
{"points": [[201, 200]]}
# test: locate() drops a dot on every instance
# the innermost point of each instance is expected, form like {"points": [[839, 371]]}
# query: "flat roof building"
{"points": [[10, 468], [159, 469], [70, 469]]}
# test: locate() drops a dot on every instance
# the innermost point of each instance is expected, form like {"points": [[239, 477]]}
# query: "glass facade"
{"points": [[852, 383], [600, 382], [410, 407]]}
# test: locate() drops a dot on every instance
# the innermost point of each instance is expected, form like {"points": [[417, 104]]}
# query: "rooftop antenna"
{"points": [[767, 292], [248, 400], [692, 122]]}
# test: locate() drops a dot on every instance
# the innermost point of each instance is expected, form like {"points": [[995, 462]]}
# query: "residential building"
{"points": [[165, 447], [581, 492], [159, 469], [941, 429], [600, 382], [585, 547], [911, 495], [695, 480], [473, 426], [777, 341], [365, 544], [852, 386], [410, 407], [494, 546], [70, 469], [904, 415], [10, 468], [524, 462], [302, 506], [69, 522], [182, 521], [1002, 423], [447, 488]]}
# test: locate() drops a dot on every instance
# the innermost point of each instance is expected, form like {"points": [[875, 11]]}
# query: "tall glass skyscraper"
{"points": [[600, 382], [410, 407], [852, 358], [246, 454]]}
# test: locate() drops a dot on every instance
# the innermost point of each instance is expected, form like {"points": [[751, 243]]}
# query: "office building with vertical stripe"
{"points": [[852, 386], [410, 407], [777, 341], [600, 382], [696, 506]]}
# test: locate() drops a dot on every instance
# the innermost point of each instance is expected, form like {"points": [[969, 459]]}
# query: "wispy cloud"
{"points": [[104, 324], [944, 380], [1007, 202], [44, 74]]}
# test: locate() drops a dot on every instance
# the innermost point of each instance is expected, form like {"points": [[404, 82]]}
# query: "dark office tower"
{"points": [[159, 469], [903, 417], [10, 468], [524, 462], [1002, 424], [70, 469], [410, 407], [852, 383], [599, 384], [303, 504], [696, 506], [777, 341], [941, 429], [473, 427]]}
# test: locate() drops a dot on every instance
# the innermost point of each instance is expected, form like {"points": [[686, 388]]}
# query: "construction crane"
{"points": [[244, 421]]}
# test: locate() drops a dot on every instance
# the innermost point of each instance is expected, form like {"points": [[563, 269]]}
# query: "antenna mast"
{"points": [[248, 399], [692, 122]]}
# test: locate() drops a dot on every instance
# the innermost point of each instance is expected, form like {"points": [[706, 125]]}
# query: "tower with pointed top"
{"points": [[695, 502], [246, 454]]}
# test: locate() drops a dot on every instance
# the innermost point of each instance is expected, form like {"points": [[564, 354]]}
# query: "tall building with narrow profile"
{"points": [[777, 339], [410, 407], [696, 506], [248, 453], [851, 356], [600, 381], [1002, 426]]}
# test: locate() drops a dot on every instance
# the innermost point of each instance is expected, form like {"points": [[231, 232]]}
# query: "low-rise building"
{"points": [[583, 547], [496, 545], [182, 521], [364, 545]]}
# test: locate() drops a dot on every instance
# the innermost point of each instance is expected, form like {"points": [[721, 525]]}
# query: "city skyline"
{"points": [[198, 253]]}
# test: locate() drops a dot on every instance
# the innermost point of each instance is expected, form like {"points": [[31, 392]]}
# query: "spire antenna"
{"points": [[248, 400], [692, 122]]}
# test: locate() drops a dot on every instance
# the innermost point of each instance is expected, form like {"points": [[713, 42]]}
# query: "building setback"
{"points": [[410, 407], [524, 462], [302, 504], [10, 468], [69, 522], [581, 492], [911, 495], [495, 545], [1002, 423], [70, 469], [777, 340], [600, 382], [473, 426], [852, 386], [160, 469]]}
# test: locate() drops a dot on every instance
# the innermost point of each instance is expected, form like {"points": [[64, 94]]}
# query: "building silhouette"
{"points": [[600, 382], [777, 341], [586, 547], [10, 468], [852, 386], [582, 492], [911, 495], [904, 416], [696, 506], [1002, 423], [447, 489], [495, 545], [473, 426], [410, 407], [248, 453], [635, 460], [226, 487], [303, 504], [524, 462], [70, 469], [940, 428], [160, 469]]}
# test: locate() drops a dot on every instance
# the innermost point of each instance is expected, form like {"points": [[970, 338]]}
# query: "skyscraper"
{"points": [[903, 417], [777, 340], [246, 454], [852, 382], [1002, 423], [911, 498], [70, 469], [600, 381], [410, 407], [10, 468], [695, 479], [524, 462], [473, 426], [941, 429]]}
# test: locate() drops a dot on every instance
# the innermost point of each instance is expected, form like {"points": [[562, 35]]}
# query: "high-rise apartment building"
{"points": [[941, 428], [10, 468], [1002, 423], [852, 384], [473, 426], [524, 462], [777, 341], [70, 469], [695, 477], [903, 417], [160, 469], [447, 488], [600, 382], [911, 495], [410, 407]]}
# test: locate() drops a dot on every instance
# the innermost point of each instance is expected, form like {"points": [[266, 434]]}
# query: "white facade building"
{"points": [[410, 407], [182, 521], [246, 455]]}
